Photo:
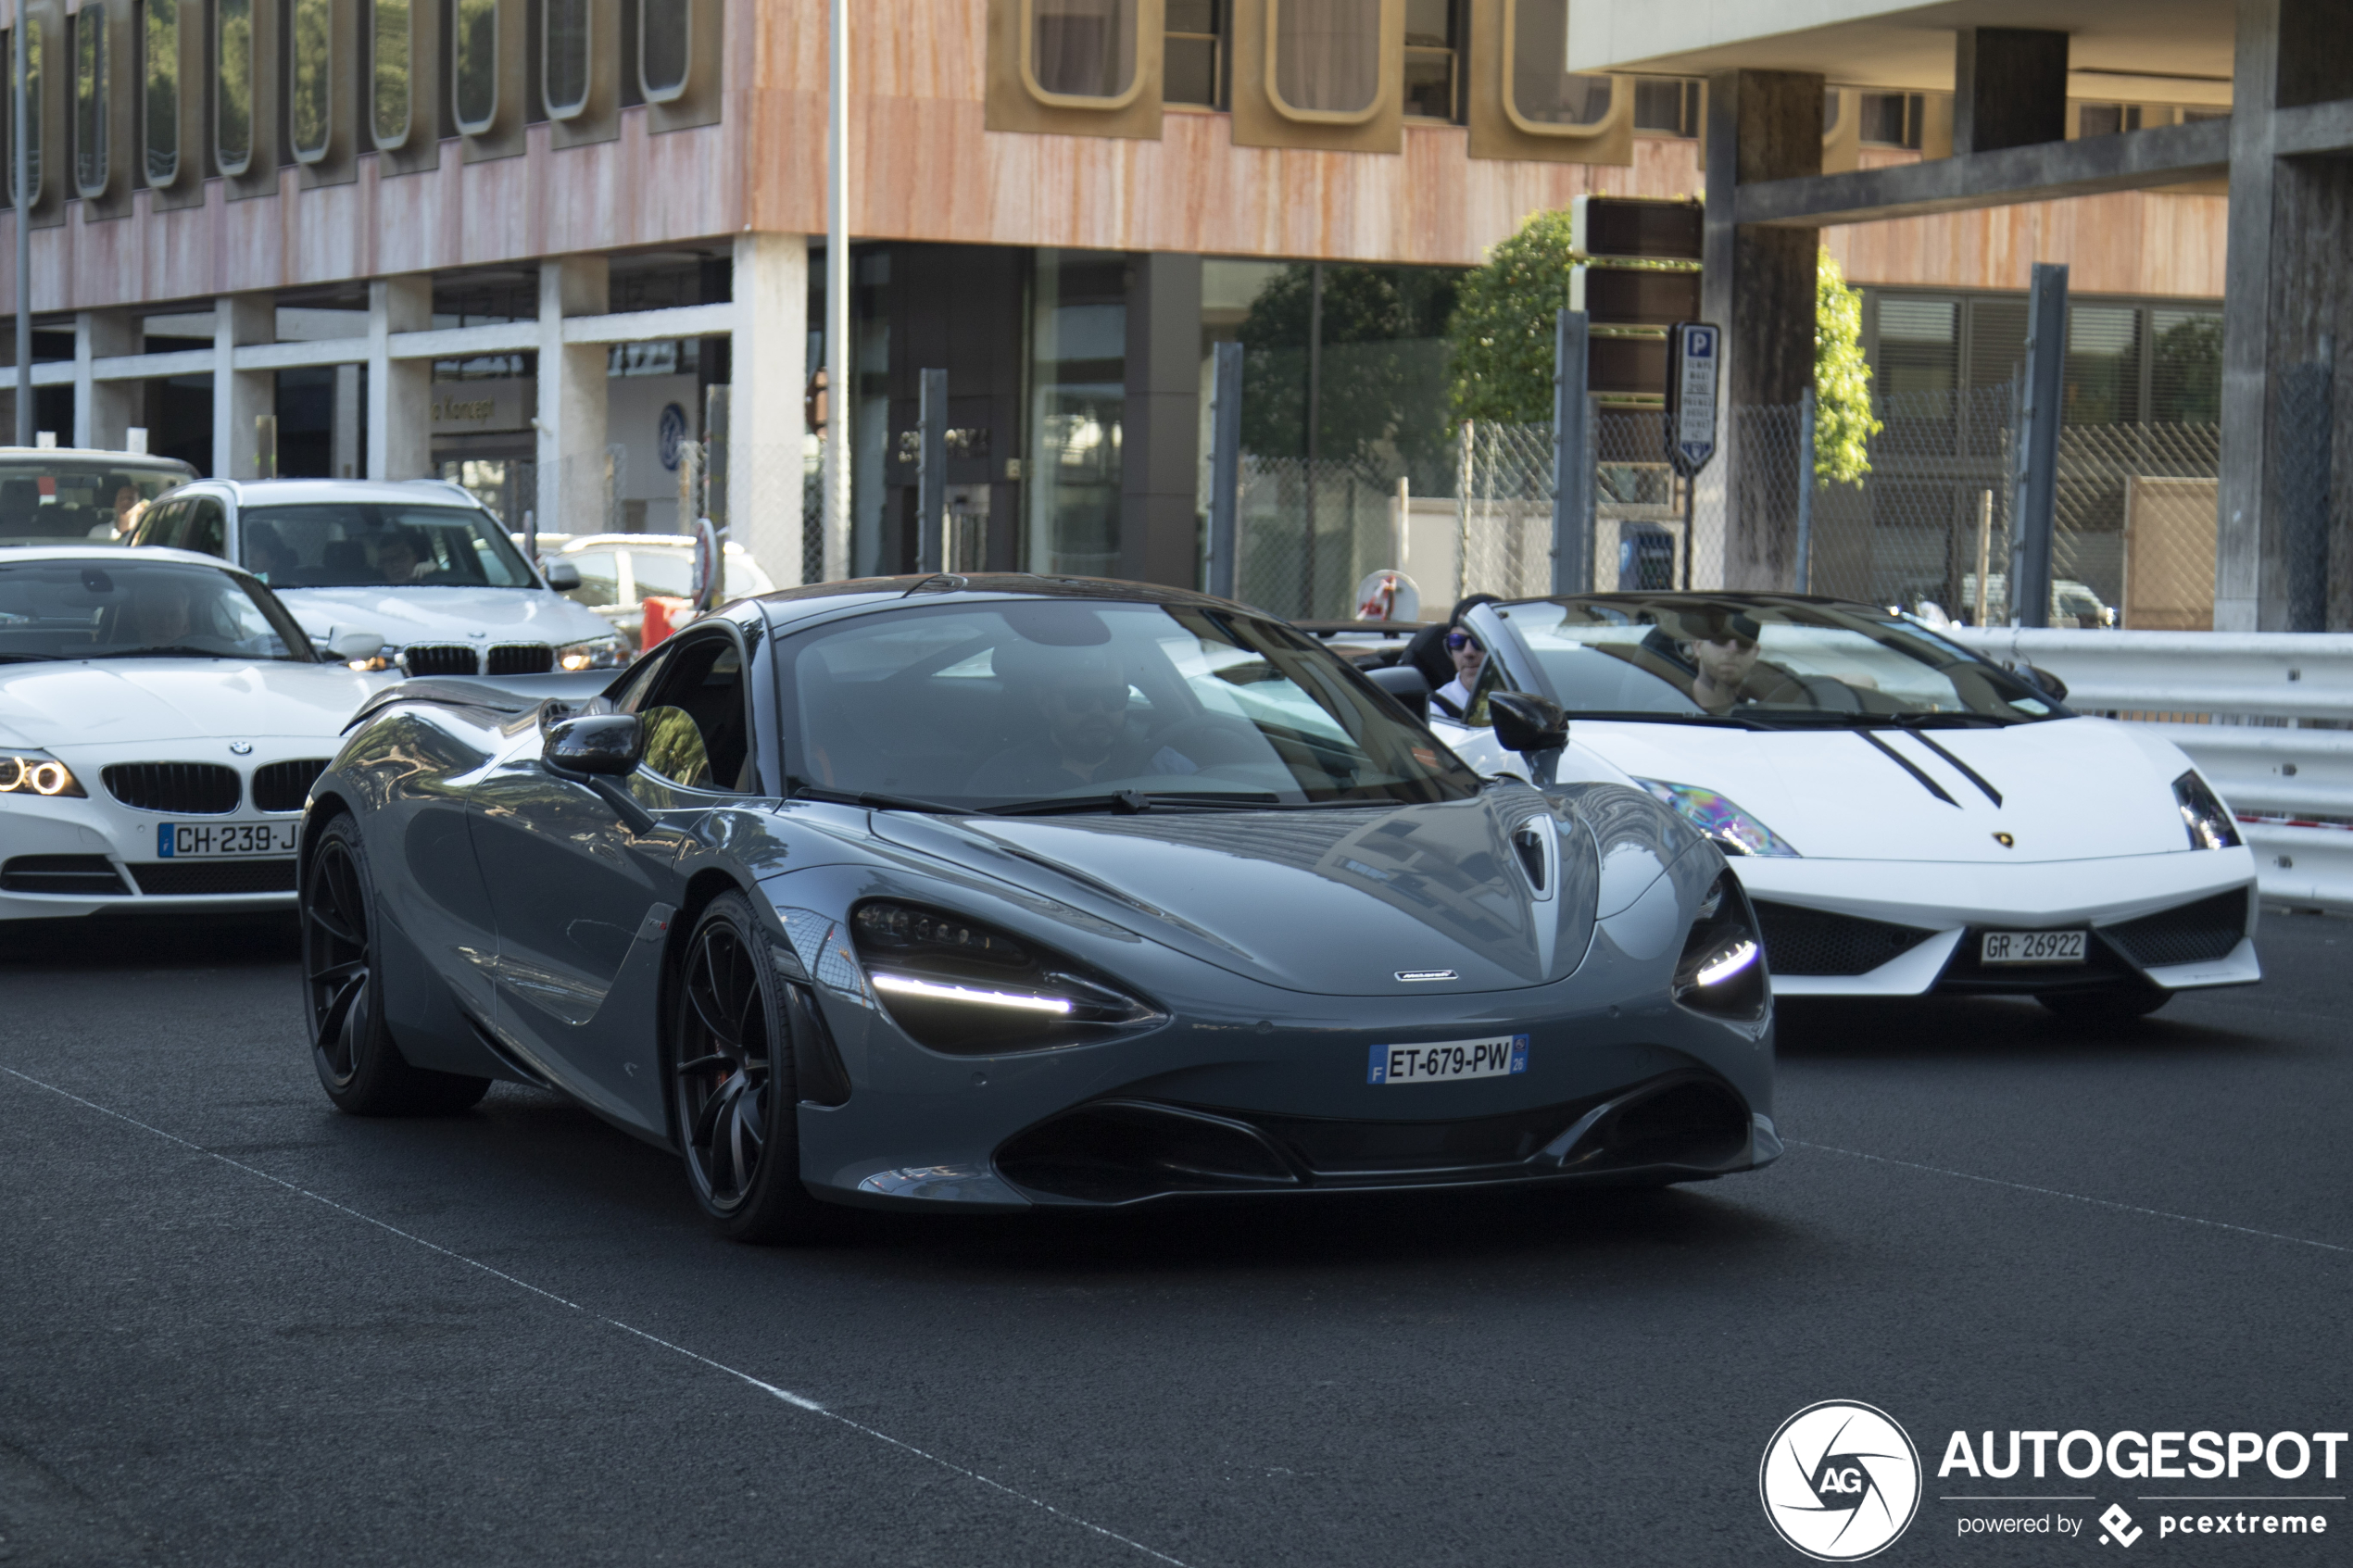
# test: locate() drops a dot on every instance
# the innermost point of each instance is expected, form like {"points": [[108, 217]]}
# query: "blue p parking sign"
{"points": [[1695, 356]]}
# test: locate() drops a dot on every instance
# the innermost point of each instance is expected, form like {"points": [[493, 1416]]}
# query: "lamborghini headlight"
{"points": [[2206, 820], [1722, 969], [36, 773], [955, 985], [596, 653], [1732, 830]]}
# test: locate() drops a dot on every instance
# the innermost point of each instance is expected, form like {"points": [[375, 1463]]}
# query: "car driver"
{"points": [[1080, 698]]}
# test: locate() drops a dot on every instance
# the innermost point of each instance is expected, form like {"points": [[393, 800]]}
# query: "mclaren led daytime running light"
{"points": [[905, 986], [1724, 966]]}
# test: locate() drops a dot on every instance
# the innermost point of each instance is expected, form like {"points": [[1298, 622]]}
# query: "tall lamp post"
{"points": [[838, 361], [24, 163]]}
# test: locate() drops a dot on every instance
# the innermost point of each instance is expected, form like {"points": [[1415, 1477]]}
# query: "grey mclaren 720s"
{"points": [[999, 892]]}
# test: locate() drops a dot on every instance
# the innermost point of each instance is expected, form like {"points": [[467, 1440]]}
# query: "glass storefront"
{"points": [[1078, 365]]}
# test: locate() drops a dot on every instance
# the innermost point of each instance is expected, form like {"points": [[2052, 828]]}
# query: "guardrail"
{"points": [[2248, 708]]}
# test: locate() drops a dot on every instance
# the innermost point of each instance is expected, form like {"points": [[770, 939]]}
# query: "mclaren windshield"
{"points": [[1760, 660], [122, 607], [1079, 706]]}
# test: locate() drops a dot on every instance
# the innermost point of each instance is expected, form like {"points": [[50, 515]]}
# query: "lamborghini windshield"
{"points": [[1078, 705], [1760, 660]]}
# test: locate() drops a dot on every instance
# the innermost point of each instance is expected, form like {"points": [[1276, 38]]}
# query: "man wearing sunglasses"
{"points": [[1454, 698], [1435, 649]]}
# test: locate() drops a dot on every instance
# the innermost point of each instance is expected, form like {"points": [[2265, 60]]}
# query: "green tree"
{"points": [[1501, 332], [1842, 422]]}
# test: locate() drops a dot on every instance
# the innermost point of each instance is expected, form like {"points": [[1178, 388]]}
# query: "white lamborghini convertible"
{"points": [[1908, 817], [161, 718]]}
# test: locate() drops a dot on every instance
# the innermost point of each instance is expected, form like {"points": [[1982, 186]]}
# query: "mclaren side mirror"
{"points": [[1528, 724], [2049, 682], [607, 744], [563, 576], [1407, 685], [354, 644]]}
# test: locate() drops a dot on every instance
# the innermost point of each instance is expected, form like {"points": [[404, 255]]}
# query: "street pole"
{"points": [[1572, 468], [931, 472], [2037, 496], [23, 161], [1225, 464], [1805, 415], [837, 357]]}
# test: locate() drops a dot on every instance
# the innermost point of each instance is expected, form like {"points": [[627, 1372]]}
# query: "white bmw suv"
{"points": [[419, 562]]}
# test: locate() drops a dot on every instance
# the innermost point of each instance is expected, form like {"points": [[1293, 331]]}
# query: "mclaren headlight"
{"points": [[958, 985], [36, 773], [1722, 969], [2203, 817], [1730, 829], [596, 653]]}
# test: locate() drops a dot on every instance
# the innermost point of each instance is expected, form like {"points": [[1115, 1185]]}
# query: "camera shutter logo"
{"points": [[1840, 1481]]}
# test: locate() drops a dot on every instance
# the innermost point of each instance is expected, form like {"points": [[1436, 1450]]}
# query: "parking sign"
{"points": [[1694, 353]]}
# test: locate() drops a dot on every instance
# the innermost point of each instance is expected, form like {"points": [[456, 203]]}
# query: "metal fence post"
{"points": [[1572, 468], [2308, 430], [931, 470], [715, 406], [1225, 466], [2030, 585], [1806, 493]]}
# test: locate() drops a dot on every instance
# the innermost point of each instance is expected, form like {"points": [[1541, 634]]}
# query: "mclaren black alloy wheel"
{"points": [[736, 1094], [361, 1067]]}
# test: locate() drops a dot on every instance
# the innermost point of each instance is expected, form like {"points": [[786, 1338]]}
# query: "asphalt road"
{"points": [[238, 1328]]}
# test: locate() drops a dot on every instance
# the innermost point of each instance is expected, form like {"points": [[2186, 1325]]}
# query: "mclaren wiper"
{"points": [[876, 802], [1128, 802], [32, 658]]}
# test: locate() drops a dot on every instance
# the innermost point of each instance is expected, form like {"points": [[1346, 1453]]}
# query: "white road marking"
{"points": [[2070, 1197], [797, 1401]]}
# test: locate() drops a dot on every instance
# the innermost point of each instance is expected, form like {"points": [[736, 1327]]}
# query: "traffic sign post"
{"points": [[1695, 359]]}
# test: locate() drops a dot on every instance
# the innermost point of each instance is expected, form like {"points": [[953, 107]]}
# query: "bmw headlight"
{"points": [[36, 773], [955, 985], [1732, 830], [2206, 820], [596, 653], [1722, 969]]}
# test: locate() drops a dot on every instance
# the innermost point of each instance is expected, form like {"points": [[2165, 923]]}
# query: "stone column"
{"points": [[1159, 434], [766, 361], [572, 398], [1759, 287], [105, 412], [345, 438], [240, 396], [399, 390]]}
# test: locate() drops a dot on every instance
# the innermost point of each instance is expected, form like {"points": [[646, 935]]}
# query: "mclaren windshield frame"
{"points": [[1779, 661]]}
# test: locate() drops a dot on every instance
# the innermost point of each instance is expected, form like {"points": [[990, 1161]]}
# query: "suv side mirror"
{"points": [[608, 743], [2049, 682], [563, 576], [1407, 685], [354, 644]]}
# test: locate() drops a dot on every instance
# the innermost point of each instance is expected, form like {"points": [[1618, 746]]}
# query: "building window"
{"points": [[1544, 94], [1326, 59], [1666, 105], [1192, 68], [475, 65], [1431, 37], [665, 52], [564, 67], [1082, 50], [391, 61], [89, 100], [162, 73], [2107, 120], [1078, 393], [1890, 119], [232, 101], [314, 66]]}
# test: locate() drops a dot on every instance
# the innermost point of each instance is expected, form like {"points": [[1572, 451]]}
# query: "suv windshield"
{"points": [[1694, 656], [77, 500], [1093, 705], [355, 544], [131, 608]]}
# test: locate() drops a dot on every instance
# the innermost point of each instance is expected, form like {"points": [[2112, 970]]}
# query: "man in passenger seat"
{"points": [[1080, 699]]}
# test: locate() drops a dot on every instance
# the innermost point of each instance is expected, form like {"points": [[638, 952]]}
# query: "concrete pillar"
{"points": [[240, 396], [1160, 435], [766, 359], [344, 435], [2288, 283], [1759, 287], [104, 411], [399, 390], [572, 398], [2009, 88]]}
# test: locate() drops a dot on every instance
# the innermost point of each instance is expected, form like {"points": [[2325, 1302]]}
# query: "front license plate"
{"points": [[2032, 947], [197, 841], [1442, 1060]]}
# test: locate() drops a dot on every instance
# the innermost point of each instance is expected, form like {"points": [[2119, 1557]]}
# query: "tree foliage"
{"points": [[1501, 332], [1842, 422]]}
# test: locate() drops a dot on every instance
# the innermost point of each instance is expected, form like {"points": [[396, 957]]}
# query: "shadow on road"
{"points": [[1984, 1028], [152, 942]]}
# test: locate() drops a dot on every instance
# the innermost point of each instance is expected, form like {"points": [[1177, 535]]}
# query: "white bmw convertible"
{"points": [[1909, 817], [161, 718]]}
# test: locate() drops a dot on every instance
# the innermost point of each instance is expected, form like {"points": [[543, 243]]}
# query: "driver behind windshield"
{"points": [[162, 611], [1074, 701], [1720, 645], [400, 560]]}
